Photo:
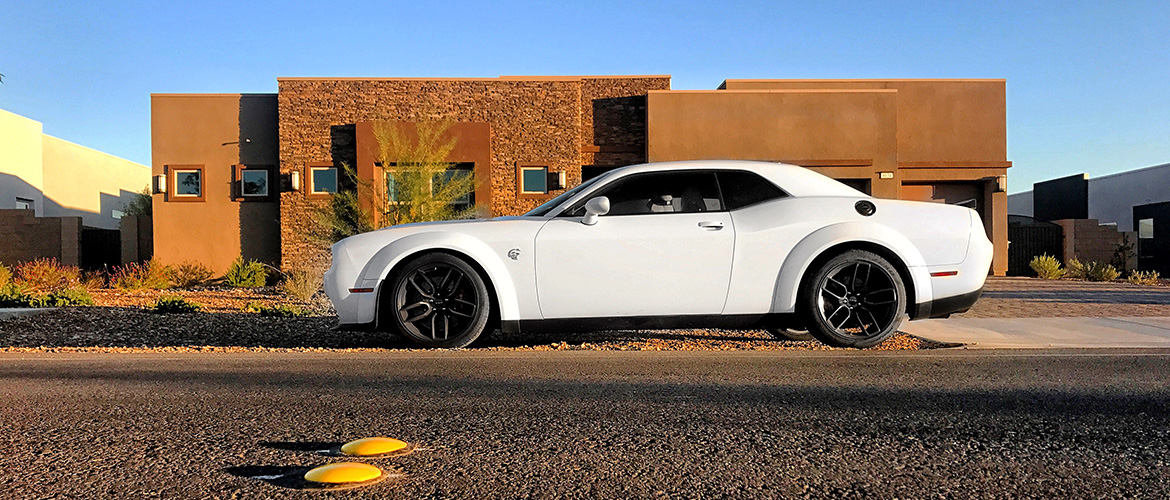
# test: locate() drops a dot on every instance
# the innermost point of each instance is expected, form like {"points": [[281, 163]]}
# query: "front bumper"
{"points": [[354, 309]]}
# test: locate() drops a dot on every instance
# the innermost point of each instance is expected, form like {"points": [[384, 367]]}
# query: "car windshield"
{"points": [[543, 209]]}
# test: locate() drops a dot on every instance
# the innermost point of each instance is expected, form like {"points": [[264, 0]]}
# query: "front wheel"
{"points": [[791, 334], [438, 300], [856, 299]]}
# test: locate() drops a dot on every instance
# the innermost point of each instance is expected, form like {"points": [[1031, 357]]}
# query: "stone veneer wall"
{"points": [[1087, 240], [532, 120], [27, 237]]}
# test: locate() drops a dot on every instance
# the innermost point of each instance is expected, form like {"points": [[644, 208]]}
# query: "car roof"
{"points": [[797, 181]]}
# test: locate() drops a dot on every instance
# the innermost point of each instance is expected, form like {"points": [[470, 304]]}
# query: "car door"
{"points": [[664, 248]]}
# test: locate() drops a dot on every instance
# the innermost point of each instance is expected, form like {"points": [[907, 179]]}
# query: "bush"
{"points": [[1101, 271], [249, 274], [1076, 270], [189, 274], [1046, 267], [278, 311], [1143, 277], [92, 280], [147, 275], [299, 284], [46, 276], [12, 295], [174, 304], [5, 276]]}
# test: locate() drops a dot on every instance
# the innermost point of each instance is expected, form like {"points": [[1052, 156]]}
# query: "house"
{"points": [[526, 138]]}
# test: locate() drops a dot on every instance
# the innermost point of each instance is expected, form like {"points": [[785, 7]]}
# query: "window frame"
{"points": [[310, 187], [1138, 228], [172, 173], [532, 195], [580, 203], [238, 171], [387, 175], [32, 204]]}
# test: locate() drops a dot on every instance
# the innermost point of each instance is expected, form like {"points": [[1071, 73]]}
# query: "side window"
{"points": [[668, 192], [741, 188]]}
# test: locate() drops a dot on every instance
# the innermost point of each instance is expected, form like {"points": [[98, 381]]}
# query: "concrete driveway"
{"points": [[1028, 312], [995, 333]]}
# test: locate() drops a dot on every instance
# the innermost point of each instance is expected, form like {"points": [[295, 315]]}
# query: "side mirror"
{"points": [[594, 208]]}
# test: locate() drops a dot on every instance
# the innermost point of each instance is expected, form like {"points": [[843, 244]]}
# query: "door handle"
{"points": [[712, 225]]}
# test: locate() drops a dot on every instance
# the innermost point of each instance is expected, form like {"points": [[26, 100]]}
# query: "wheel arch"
{"points": [[826, 243], [476, 253]]}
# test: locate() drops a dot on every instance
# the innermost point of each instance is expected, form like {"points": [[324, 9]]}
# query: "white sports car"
{"points": [[727, 244]]}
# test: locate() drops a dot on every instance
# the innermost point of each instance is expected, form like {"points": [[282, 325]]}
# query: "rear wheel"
{"points": [[438, 300], [856, 299]]}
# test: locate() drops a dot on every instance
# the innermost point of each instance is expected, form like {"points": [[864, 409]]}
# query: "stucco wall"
{"points": [[79, 181], [21, 174], [216, 131], [1020, 203], [938, 120], [1112, 197]]}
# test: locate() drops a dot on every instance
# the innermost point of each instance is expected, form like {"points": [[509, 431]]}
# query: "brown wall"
{"points": [[216, 131], [938, 120], [531, 119], [846, 134], [27, 237], [1087, 240]]}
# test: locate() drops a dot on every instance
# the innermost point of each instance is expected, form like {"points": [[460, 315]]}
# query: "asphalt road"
{"points": [[952, 423]]}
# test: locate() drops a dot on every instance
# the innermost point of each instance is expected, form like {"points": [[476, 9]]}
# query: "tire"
{"points": [[856, 299], [437, 300], [791, 334]]}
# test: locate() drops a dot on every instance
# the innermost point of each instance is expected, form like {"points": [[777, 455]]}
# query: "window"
{"points": [[533, 179], [741, 189], [322, 180], [24, 203], [668, 192], [457, 171], [1145, 229], [254, 182], [185, 182], [117, 214]]}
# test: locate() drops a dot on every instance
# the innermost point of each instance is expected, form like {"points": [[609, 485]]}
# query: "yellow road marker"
{"points": [[374, 446], [347, 472]]}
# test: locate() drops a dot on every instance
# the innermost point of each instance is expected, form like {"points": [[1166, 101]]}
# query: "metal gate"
{"points": [[100, 248], [1028, 238]]}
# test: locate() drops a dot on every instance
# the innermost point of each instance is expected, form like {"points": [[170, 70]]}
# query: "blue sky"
{"points": [[1088, 82]]}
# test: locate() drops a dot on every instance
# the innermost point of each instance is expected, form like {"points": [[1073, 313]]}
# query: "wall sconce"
{"points": [[562, 180], [1001, 184], [294, 180], [158, 184]]}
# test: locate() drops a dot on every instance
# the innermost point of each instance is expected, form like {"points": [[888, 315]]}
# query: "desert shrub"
{"points": [[68, 297], [174, 304], [147, 275], [246, 274], [253, 306], [13, 295], [1046, 267], [1076, 270], [279, 310], [189, 274], [92, 280], [46, 275], [300, 284], [1143, 277], [5, 276], [1101, 271]]}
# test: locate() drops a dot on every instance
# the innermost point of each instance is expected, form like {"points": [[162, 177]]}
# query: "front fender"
{"points": [[797, 263], [378, 267]]}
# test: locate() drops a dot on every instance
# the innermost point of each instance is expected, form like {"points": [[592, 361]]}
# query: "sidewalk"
{"points": [[1074, 332]]}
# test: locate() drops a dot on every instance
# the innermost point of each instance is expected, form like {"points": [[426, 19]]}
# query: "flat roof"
{"points": [[858, 80], [498, 78]]}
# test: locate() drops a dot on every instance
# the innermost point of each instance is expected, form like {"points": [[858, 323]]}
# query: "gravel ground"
{"points": [[121, 323]]}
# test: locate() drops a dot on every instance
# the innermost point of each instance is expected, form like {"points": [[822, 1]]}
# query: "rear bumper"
{"points": [[946, 306]]}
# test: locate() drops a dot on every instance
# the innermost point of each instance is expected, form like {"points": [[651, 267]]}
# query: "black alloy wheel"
{"points": [[439, 301], [856, 299]]}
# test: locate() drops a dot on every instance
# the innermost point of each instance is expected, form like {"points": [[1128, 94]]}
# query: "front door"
{"points": [[665, 248]]}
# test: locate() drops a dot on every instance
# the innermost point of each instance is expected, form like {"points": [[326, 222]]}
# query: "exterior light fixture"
{"points": [[294, 180], [1001, 184], [158, 184]]}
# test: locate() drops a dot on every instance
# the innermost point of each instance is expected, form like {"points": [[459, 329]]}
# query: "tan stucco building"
{"points": [[931, 140], [57, 178]]}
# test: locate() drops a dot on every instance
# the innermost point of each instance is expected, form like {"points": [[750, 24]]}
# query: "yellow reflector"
{"points": [[373, 446], [348, 472]]}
